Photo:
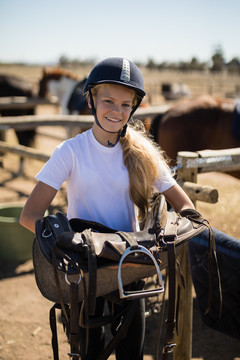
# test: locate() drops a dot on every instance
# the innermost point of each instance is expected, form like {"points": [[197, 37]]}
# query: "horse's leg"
{"points": [[25, 138], [2, 138]]}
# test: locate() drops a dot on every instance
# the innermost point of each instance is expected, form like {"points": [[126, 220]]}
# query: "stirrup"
{"points": [[138, 293]]}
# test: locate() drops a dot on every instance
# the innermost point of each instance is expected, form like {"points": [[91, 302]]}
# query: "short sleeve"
{"points": [[165, 180], [57, 169]]}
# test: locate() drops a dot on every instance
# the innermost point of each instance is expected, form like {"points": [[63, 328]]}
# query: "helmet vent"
{"points": [[125, 74]]}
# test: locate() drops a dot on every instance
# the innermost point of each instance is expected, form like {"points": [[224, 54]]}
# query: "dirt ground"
{"points": [[24, 327]]}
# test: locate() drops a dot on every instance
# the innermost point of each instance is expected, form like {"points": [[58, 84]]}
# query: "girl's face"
{"points": [[113, 105]]}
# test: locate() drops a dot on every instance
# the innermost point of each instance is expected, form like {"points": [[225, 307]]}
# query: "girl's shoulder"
{"points": [[79, 140]]}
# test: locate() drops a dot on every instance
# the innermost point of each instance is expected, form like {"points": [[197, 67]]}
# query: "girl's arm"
{"points": [[36, 205], [178, 199]]}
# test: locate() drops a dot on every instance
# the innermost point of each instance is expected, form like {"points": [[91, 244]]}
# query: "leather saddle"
{"points": [[65, 250]]}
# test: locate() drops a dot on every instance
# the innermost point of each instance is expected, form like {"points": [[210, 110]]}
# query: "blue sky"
{"points": [[171, 30]]}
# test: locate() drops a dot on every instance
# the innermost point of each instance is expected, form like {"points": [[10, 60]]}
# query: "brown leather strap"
{"points": [[212, 250], [129, 238], [74, 333], [171, 225], [196, 217], [58, 286], [121, 333], [92, 272], [53, 326]]}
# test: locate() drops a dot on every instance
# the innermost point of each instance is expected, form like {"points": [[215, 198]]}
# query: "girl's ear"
{"points": [[89, 102]]}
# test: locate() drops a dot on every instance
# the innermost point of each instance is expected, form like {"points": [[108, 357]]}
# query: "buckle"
{"points": [[169, 348], [77, 282], [72, 355]]}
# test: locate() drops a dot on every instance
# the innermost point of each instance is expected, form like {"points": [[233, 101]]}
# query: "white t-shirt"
{"points": [[97, 181]]}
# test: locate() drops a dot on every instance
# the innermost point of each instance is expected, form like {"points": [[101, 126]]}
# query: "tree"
{"points": [[63, 60], [151, 64], [218, 59], [234, 66]]}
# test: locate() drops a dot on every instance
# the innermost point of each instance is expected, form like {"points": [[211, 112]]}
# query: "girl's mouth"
{"points": [[112, 119]]}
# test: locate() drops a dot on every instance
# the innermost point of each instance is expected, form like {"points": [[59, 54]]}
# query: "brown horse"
{"points": [[196, 124]]}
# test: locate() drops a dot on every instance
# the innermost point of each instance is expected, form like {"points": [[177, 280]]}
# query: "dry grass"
{"points": [[199, 83], [225, 214]]}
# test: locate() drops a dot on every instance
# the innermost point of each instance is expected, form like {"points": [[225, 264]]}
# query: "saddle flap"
{"points": [[112, 246], [49, 230]]}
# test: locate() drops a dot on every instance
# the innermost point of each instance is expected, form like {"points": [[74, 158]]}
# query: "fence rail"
{"points": [[31, 121], [190, 164], [211, 160], [24, 151], [23, 102]]}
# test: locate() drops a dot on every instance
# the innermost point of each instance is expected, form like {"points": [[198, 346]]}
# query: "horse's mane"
{"points": [[58, 73], [53, 74]]}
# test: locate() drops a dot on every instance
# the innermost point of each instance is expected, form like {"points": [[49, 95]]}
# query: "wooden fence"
{"points": [[23, 102], [190, 164], [31, 121]]}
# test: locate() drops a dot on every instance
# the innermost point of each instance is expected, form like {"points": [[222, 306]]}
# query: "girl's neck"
{"points": [[103, 137]]}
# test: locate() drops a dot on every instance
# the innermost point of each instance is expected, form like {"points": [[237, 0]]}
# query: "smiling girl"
{"points": [[111, 172]]}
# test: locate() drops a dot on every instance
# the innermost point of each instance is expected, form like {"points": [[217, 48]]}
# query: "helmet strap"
{"points": [[94, 113], [121, 134]]}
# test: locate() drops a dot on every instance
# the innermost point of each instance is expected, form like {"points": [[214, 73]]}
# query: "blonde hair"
{"points": [[96, 87], [142, 158]]}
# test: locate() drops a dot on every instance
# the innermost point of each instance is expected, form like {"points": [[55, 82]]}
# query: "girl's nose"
{"points": [[116, 108]]}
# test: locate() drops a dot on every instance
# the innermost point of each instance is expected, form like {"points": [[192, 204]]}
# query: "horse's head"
{"points": [[52, 75], [63, 84]]}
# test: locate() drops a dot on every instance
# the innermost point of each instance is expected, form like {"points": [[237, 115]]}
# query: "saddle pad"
{"points": [[131, 272], [228, 255]]}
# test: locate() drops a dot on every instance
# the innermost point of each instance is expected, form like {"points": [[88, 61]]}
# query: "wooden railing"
{"points": [[23, 103], [190, 164]]}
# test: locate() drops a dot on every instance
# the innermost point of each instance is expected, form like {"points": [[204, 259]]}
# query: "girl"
{"points": [[111, 172]]}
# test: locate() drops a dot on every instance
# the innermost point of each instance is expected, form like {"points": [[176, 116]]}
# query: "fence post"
{"points": [[184, 325]]}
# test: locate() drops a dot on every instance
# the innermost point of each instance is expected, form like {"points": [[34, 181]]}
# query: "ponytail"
{"points": [[141, 157]]}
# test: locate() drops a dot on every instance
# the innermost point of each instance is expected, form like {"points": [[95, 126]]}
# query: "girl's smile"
{"points": [[113, 105]]}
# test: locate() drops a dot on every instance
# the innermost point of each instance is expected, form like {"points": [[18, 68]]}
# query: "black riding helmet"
{"points": [[118, 71]]}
